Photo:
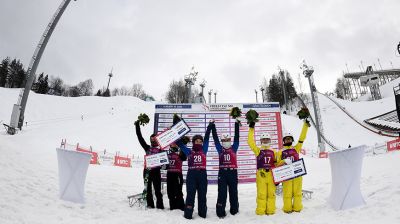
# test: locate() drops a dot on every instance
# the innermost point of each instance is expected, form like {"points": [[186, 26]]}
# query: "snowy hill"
{"points": [[29, 175], [341, 130]]}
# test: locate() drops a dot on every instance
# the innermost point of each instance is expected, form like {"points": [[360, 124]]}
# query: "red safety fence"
{"points": [[103, 157]]}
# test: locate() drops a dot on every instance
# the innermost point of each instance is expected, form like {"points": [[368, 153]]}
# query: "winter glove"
{"points": [[238, 121], [288, 161], [307, 122], [176, 119], [252, 124], [211, 124], [185, 140]]}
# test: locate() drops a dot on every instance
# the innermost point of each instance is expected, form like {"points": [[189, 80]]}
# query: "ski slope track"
{"points": [[363, 124], [29, 191]]}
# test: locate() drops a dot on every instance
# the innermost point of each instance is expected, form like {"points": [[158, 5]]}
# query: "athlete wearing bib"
{"points": [[292, 189], [227, 174], [196, 178], [175, 178], [266, 159]]}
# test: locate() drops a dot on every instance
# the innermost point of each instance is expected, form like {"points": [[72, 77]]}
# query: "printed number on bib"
{"points": [[171, 162], [197, 159], [267, 159], [227, 157]]}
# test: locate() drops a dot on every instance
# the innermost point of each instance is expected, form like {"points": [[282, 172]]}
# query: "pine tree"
{"points": [[11, 74], [275, 93], [107, 93], [38, 82], [4, 71], [290, 90], [16, 74], [98, 93], [42, 84], [19, 75]]}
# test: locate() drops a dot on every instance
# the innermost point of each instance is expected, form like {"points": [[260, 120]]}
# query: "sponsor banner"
{"points": [[220, 107], [290, 171], [197, 117], [106, 159], [393, 145], [94, 159], [122, 161], [323, 155]]}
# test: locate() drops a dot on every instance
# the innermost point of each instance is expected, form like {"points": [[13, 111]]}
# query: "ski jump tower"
{"points": [[307, 72]]}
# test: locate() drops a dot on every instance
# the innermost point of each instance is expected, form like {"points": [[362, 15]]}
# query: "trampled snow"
{"points": [[29, 176]]}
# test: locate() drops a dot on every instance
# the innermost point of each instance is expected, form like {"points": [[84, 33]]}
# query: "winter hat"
{"points": [[194, 138]]}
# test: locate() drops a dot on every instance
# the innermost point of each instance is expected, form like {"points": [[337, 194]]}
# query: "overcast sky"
{"points": [[233, 44]]}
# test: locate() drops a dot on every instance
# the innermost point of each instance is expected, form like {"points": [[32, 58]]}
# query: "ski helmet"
{"points": [[265, 135], [225, 136], [288, 135]]}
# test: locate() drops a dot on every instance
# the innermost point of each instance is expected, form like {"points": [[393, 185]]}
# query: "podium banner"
{"points": [[197, 117], [169, 136], [290, 171], [157, 160]]}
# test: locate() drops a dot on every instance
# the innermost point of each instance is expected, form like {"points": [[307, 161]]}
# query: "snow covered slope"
{"points": [[341, 130], [29, 176]]}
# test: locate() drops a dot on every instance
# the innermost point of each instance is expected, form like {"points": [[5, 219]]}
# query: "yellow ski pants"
{"points": [[292, 195], [265, 193]]}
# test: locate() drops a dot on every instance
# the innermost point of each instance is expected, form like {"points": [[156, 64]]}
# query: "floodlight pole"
{"points": [[262, 93], [308, 71]]}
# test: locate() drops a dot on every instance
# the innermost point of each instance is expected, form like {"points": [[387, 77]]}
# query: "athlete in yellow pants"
{"points": [[266, 160], [292, 189]]}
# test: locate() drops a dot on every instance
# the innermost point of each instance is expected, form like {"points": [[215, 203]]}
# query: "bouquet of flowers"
{"points": [[143, 119], [235, 112], [251, 116], [304, 113]]}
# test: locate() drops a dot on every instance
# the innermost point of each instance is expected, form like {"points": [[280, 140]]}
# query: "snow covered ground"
{"points": [[29, 175]]}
